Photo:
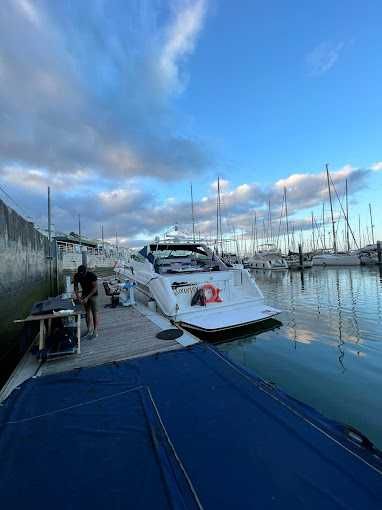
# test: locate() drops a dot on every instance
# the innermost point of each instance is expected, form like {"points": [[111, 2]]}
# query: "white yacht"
{"points": [[188, 283], [268, 257], [336, 259]]}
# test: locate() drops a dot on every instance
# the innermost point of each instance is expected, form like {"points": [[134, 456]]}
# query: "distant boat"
{"points": [[268, 257], [191, 285], [336, 259], [293, 261]]}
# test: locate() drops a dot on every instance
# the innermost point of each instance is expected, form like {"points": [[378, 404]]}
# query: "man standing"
{"points": [[88, 282]]}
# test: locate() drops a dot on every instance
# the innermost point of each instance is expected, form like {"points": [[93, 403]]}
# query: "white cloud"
{"points": [[323, 57], [180, 42], [223, 184], [377, 167]]}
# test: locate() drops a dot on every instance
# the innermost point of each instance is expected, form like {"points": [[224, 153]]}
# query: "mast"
{"points": [[286, 216], [192, 215], [79, 229], [359, 230], [217, 222], [331, 211], [220, 216], [371, 224], [270, 222], [313, 240], [255, 229], [323, 223], [103, 241], [347, 216], [50, 241]]}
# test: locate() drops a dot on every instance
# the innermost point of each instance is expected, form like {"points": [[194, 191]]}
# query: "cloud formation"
{"points": [[323, 57], [89, 89], [135, 212]]}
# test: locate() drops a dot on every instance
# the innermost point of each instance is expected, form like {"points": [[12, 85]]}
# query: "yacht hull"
{"points": [[238, 316]]}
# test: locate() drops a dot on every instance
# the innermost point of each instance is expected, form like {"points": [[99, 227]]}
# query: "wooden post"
{"points": [[301, 256]]}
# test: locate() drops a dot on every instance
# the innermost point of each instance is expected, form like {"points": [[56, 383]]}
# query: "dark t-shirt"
{"points": [[86, 282]]}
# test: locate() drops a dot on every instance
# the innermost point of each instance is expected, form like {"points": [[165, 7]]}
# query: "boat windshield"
{"points": [[178, 258]]}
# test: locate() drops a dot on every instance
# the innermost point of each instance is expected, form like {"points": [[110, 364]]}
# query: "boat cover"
{"points": [[183, 429]]}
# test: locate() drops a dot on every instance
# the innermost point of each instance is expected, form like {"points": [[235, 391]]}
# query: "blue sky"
{"points": [[119, 105]]}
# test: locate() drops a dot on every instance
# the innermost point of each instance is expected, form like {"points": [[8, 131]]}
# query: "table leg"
{"points": [[41, 336], [78, 333]]}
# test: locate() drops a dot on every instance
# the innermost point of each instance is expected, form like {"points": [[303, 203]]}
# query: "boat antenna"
{"points": [[371, 224], [192, 215], [331, 210]]}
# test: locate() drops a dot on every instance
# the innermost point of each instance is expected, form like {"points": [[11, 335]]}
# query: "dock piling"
{"points": [[300, 256]]}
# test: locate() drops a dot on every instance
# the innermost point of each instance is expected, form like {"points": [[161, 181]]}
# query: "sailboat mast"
{"points": [[270, 222], [371, 224], [192, 215], [323, 223], [286, 217], [359, 230], [313, 239], [220, 217], [347, 215], [217, 222], [331, 211]]}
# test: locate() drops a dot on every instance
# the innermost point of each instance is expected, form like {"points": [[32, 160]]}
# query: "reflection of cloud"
{"points": [[323, 57], [302, 336], [359, 354]]}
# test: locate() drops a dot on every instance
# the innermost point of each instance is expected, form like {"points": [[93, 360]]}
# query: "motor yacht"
{"points": [[268, 257], [190, 284]]}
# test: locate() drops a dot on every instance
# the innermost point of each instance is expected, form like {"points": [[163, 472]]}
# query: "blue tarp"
{"points": [[184, 429]]}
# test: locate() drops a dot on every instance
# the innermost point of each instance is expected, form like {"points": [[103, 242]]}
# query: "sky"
{"points": [[119, 105]]}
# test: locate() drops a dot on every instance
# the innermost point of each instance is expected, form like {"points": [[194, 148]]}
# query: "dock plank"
{"points": [[123, 333]]}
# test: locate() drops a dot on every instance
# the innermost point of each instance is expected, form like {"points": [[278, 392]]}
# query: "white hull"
{"points": [[268, 265], [239, 302], [336, 260]]}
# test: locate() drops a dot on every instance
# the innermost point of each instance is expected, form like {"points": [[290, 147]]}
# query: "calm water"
{"points": [[327, 351]]}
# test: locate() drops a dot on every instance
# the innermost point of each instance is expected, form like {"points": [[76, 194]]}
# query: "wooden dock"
{"points": [[124, 333]]}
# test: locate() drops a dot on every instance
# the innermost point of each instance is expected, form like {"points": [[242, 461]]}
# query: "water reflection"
{"points": [[328, 349]]}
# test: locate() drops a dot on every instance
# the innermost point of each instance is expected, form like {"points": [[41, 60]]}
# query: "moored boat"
{"points": [[192, 286], [268, 257], [336, 259]]}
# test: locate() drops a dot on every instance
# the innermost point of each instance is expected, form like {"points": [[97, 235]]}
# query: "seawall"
{"points": [[25, 270]]}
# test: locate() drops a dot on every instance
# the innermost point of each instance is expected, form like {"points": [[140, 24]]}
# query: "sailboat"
{"points": [[335, 257]]}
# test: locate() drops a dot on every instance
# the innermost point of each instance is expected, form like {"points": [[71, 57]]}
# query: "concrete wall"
{"points": [[24, 273]]}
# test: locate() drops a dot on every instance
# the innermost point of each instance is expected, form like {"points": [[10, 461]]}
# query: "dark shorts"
{"points": [[92, 305]]}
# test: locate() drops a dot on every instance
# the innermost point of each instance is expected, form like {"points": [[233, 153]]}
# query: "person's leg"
{"points": [[94, 312], [89, 318]]}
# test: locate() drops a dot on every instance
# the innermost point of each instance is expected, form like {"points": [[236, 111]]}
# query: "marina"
{"points": [[190, 255]]}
